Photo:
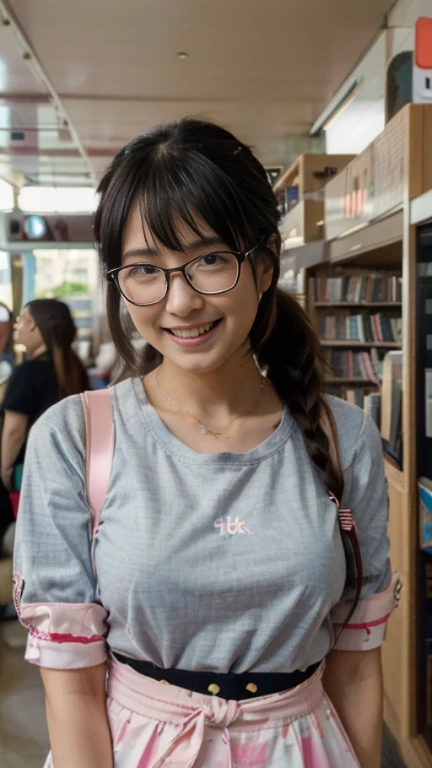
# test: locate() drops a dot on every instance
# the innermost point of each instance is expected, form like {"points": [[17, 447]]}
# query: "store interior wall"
{"points": [[347, 132]]}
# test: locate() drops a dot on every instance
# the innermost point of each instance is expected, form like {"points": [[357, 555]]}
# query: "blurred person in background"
{"points": [[51, 372], [7, 358]]}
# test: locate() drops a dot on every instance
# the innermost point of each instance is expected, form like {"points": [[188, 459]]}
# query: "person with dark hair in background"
{"points": [[51, 372], [217, 581]]}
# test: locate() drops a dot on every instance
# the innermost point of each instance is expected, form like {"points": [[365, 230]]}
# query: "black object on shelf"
{"points": [[424, 466]]}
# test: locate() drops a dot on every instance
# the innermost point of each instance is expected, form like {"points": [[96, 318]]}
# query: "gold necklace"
{"points": [[204, 428]]}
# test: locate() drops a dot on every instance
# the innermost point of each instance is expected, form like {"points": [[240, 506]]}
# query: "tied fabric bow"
{"points": [[188, 742]]}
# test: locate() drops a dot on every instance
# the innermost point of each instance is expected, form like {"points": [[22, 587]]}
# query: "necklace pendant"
{"points": [[204, 429]]}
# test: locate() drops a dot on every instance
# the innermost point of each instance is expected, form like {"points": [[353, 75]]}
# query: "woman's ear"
{"points": [[266, 266]]}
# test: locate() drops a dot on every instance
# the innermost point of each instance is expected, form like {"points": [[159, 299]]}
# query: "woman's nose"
{"points": [[182, 299]]}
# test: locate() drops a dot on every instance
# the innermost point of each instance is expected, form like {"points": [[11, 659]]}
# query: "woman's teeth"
{"points": [[194, 331]]}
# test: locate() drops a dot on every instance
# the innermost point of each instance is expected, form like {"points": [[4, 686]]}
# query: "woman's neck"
{"points": [[41, 350], [217, 395]]}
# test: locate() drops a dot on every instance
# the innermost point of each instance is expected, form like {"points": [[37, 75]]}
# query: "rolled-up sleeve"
{"points": [[366, 495], [55, 589]]}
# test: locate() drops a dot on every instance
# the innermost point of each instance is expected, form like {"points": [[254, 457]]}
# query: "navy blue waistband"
{"points": [[247, 685]]}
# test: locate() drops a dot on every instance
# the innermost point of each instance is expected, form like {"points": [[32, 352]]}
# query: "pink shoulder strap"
{"points": [[99, 449]]}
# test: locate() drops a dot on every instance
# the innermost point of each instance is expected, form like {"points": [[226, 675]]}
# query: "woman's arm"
{"points": [[353, 681], [77, 717], [13, 438]]}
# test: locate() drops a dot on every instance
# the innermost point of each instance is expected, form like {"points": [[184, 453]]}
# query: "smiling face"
{"points": [[195, 332]]}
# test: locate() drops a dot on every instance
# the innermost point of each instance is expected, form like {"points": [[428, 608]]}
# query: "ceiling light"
{"points": [[325, 121], [183, 55]]}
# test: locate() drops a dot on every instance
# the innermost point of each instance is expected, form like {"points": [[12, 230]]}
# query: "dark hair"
{"points": [[58, 330], [196, 171]]}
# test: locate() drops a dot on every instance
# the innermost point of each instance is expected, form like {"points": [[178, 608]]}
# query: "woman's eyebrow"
{"points": [[207, 241]]}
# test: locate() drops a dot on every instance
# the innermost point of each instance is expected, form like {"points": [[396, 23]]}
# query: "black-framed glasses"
{"points": [[211, 273]]}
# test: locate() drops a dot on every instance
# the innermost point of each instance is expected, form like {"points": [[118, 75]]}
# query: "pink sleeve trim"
{"points": [[366, 627], [62, 635], [53, 655], [56, 637]]}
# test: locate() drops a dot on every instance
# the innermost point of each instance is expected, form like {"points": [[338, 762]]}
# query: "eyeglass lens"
{"points": [[211, 273]]}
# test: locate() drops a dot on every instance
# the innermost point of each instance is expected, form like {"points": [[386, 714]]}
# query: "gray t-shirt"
{"points": [[223, 562]]}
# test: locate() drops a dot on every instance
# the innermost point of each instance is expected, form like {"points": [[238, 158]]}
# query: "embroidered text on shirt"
{"points": [[230, 526]]}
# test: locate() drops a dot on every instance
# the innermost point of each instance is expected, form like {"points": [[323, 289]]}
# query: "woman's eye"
{"points": [[144, 269], [211, 259]]}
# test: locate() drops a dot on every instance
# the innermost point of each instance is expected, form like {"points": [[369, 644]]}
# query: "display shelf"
{"points": [[334, 320], [361, 344], [373, 209], [300, 196], [311, 171], [359, 304], [353, 382]]}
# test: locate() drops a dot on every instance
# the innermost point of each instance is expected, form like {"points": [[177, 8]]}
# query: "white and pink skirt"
{"points": [[156, 725]]}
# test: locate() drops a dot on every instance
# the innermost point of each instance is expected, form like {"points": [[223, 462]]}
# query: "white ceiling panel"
{"points": [[15, 75], [108, 125], [263, 69], [101, 47], [35, 143]]}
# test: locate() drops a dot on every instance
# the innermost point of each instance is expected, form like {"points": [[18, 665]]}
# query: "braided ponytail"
{"points": [[287, 347], [291, 355]]}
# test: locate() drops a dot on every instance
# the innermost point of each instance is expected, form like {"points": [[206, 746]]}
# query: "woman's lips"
{"points": [[194, 341]]}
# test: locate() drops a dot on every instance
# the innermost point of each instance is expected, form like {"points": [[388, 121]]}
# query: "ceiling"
{"points": [[78, 80]]}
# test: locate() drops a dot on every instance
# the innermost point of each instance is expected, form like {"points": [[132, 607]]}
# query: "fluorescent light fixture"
{"points": [[332, 113], [57, 199]]}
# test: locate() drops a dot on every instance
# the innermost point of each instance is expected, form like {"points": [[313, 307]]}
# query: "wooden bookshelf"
{"points": [[353, 382], [361, 344], [332, 318], [303, 216], [372, 209], [310, 172], [357, 304]]}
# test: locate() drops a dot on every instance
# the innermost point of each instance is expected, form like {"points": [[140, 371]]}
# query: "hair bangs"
{"points": [[196, 195]]}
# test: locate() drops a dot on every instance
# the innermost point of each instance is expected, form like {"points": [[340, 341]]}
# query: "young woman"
{"points": [[217, 581], [51, 372]]}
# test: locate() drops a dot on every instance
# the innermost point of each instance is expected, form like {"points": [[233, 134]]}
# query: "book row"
{"points": [[346, 364], [359, 288], [365, 328]]}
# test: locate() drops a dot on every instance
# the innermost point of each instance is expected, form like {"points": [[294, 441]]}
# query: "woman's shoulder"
{"points": [[354, 426], [345, 413], [63, 422], [68, 414]]}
